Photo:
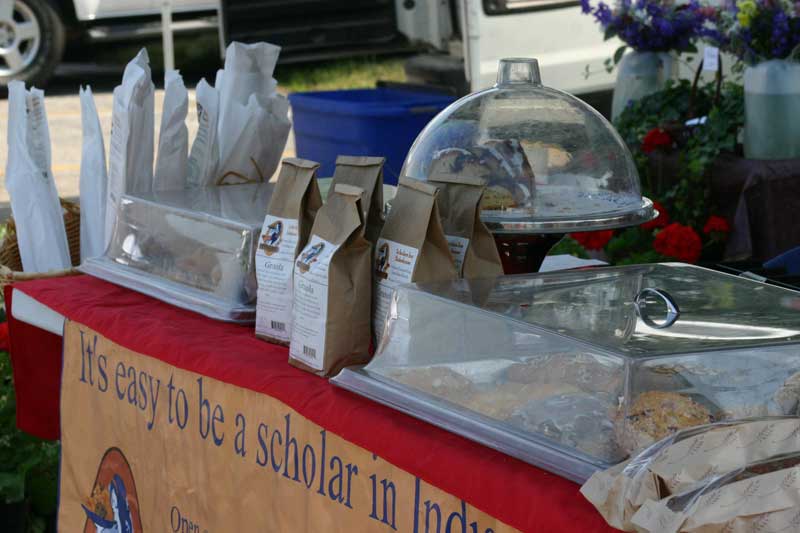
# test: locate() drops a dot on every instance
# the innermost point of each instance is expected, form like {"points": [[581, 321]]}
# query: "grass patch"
{"points": [[198, 56], [356, 73]]}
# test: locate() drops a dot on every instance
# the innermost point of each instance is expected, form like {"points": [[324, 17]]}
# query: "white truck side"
{"points": [[475, 34]]}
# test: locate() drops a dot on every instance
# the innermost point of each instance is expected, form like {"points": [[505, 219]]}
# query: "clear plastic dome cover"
{"points": [[551, 163]]}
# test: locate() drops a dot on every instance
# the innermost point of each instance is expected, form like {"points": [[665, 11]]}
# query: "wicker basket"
{"points": [[11, 262]]}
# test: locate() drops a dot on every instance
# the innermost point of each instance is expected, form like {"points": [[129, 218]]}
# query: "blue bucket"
{"points": [[372, 122]]}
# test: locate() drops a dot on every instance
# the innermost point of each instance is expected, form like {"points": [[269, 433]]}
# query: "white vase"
{"points": [[640, 74], [772, 110]]}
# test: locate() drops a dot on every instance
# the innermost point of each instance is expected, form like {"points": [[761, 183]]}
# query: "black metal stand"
{"points": [[524, 254]]}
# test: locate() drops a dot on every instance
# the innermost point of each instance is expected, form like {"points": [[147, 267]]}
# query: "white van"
{"points": [[463, 39]]}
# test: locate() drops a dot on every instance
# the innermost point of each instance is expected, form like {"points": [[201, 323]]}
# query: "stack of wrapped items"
{"points": [[243, 128]]}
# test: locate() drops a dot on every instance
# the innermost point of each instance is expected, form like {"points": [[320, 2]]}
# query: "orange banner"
{"points": [[150, 447]]}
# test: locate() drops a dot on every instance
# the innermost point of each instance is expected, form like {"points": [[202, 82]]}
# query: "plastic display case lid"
{"points": [[539, 366], [169, 291], [642, 310], [243, 205], [529, 447], [192, 248], [551, 163]]}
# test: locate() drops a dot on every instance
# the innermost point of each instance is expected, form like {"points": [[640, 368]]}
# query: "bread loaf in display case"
{"points": [[194, 249]]}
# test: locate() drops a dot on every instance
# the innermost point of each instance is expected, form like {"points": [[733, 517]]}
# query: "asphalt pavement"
{"points": [[64, 116]]}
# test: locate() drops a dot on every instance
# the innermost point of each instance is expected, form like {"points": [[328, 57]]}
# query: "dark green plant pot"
{"points": [[13, 516]]}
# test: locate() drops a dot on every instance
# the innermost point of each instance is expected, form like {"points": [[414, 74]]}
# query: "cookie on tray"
{"points": [[654, 415]]}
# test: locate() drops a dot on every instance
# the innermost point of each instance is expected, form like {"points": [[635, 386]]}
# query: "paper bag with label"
{"points": [[366, 173], [412, 247], [471, 243], [332, 284], [290, 215]]}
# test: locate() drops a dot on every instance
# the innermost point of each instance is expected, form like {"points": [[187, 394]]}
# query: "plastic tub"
{"points": [[377, 122]]}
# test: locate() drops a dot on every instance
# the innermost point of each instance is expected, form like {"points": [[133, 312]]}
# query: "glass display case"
{"points": [[194, 249], [551, 163], [574, 371]]}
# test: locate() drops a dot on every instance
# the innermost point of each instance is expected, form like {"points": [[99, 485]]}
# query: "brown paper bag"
{"points": [[290, 215], [366, 173], [471, 243], [332, 289], [412, 247]]}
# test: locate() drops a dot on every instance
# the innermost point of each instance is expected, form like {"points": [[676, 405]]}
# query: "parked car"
{"points": [[34, 33]]}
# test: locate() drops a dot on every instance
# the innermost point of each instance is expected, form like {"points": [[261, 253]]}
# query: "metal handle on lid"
{"points": [[640, 303]]}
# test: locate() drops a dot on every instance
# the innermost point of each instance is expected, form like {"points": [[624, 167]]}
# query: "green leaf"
{"points": [[619, 53], [12, 487], [568, 246]]}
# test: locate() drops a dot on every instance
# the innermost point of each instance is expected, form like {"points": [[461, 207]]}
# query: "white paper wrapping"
{"points": [[253, 119], [34, 199], [204, 156], [93, 180], [173, 138], [248, 70], [130, 167], [260, 133]]}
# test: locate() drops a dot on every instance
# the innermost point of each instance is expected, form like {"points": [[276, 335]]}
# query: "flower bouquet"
{"points": [[765, 35], [652, 29]]}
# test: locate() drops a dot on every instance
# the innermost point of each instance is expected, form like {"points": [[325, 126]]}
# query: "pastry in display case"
{"points": [[574, 371], [551, 163], [194, 249]]}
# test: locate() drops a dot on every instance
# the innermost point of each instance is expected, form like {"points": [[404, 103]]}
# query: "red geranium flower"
{"points": [[593, 240], [655, 138], [679, 241], [716, 224], [660, 221]]}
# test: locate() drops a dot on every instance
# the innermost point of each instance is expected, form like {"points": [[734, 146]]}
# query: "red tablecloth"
{"points": [[518, 494]]}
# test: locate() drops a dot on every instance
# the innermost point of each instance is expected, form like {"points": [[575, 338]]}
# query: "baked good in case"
{"points": [[501, 164], [582, 371], [497, 198], [654, 415], [500, 401], [439, 381], [575, 419]]}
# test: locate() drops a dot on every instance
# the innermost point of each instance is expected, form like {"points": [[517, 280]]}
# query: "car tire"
{"points": [[38, 68]]}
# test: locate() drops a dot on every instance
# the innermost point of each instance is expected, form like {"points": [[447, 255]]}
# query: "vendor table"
{"points": [[160, 397]]}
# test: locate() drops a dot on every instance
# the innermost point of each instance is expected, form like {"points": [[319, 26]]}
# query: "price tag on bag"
{"points": [[711, 58]]}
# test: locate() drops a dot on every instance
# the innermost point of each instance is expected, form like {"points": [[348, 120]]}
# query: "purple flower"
{"points": [[667, 27], [780, 34], [772, 32]]}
